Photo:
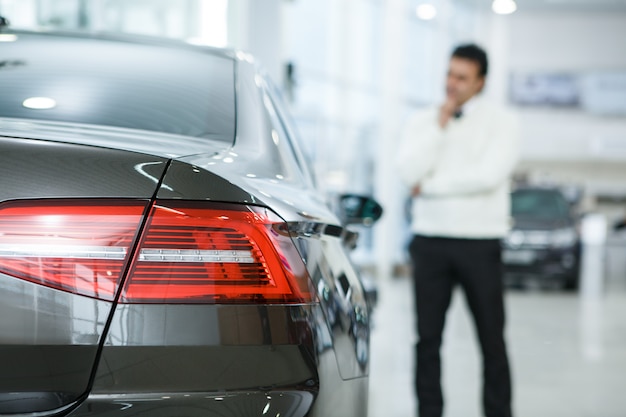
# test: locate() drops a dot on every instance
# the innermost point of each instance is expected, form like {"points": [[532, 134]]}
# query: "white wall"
{"points": [[574, 43], [568, 41]]}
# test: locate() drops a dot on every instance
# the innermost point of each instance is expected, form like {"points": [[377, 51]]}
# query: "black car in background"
{"points": [[544, 244], [164, 250]]}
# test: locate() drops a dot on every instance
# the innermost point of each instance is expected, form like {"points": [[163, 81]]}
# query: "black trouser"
{"points": [[475, 264]]}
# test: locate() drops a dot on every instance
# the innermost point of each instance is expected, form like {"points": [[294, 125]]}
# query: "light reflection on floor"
{"points": [[568, 350]]}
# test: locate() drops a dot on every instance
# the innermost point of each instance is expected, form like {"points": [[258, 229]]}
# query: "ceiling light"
{"points": [[504, 6], [39, 103], [426, 11]]}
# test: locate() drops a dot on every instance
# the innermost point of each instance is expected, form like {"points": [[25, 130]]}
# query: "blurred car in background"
{"points": [[164, 249], [544, 243]]}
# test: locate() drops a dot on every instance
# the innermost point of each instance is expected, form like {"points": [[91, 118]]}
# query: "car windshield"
{"points": [[543, 204], [119, 84]]}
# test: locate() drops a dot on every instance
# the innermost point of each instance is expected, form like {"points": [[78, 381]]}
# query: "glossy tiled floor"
{"points": [[567, 351]]}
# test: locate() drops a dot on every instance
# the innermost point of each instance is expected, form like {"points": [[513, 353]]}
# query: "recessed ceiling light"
{"points": [[426, 11], [503, 6], [39, 103]]}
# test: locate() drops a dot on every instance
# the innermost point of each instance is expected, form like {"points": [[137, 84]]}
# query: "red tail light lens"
{"points": [[188, 253], [76, 247], [201, 253]]}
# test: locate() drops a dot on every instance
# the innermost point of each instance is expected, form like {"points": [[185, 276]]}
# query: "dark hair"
{"points": [[474, 53]]}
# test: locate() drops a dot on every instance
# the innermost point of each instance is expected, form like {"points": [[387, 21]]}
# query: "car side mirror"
{"points": [[359, 209]]}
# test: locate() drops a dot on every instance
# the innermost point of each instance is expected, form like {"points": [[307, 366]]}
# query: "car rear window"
{"points": [[119, 84], [545, 204]]}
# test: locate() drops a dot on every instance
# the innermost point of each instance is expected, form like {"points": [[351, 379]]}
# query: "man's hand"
{"points": [[446, 111], [416, 190]]}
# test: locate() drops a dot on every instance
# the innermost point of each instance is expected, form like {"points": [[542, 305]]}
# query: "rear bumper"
{"points": [[288, 403], [244, 361]]}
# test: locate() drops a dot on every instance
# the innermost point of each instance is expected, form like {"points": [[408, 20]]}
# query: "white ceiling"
{"points": [[558, 5]]}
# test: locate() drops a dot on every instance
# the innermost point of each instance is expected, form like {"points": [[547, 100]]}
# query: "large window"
{"points": [[201, 21]]}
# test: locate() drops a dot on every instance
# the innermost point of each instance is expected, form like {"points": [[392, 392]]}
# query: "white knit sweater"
{"points": [[464, 171]]}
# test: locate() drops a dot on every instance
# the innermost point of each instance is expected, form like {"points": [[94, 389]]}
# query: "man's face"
{"points": [[464, 80]]}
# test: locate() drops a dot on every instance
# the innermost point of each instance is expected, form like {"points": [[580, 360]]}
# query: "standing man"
{"points": [[458, 159]]}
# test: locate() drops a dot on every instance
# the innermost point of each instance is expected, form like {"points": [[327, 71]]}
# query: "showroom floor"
{"points": [[567, 351]]}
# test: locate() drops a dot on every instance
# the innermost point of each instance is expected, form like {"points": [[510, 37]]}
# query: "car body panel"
{"points": [[181, 179], [49, 342], [26, 167], [164, 145]]}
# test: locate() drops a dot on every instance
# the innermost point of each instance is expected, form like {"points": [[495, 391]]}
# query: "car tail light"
{"points": [[76, 247], [208, 253], [188, 252]]}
